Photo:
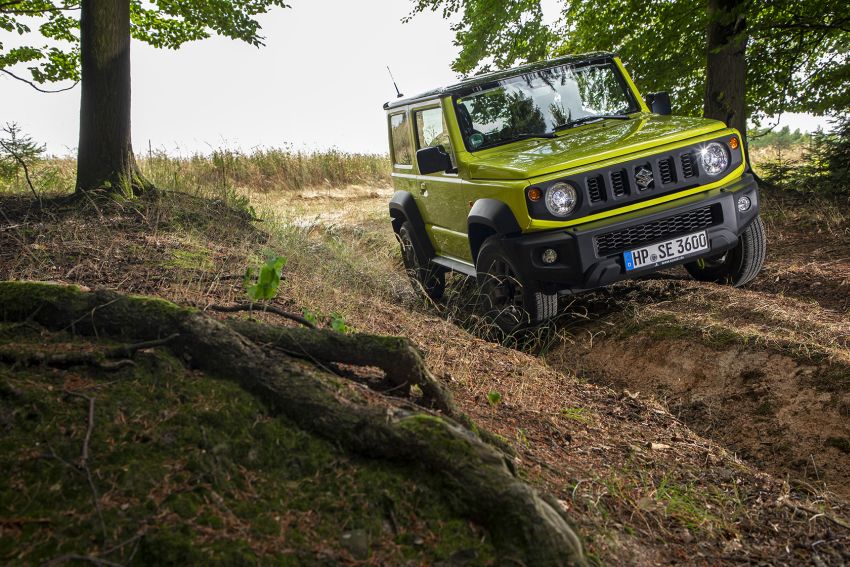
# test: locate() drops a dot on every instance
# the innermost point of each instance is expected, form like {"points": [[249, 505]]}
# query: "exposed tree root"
{"points": [[396, 356], [100, 359], [525, 527]]}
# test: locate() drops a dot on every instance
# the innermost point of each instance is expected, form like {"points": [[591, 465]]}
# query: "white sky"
{"points": [[319, 82]]}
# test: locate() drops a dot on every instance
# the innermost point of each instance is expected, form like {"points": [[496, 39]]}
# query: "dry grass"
{"points": [[265, 170], [225, 170]]}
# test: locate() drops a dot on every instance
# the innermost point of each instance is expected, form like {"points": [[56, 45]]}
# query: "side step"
{"points": [[454, 265]]}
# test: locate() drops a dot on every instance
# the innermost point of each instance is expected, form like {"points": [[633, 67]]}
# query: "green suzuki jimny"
{"points": [[557, 177]]}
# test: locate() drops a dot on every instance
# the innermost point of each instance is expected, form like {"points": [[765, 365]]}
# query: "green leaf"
{"points": [[339, 325], [266, 285], [493, 398], [310, 316]]}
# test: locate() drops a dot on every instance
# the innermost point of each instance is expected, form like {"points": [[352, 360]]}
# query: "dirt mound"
{"points": [[776, 412]]}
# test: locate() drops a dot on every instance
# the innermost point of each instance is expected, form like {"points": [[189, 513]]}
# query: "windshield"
{"points": [[541, 101]]}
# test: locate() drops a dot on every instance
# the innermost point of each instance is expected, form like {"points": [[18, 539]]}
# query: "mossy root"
{"points": [[526, 528]]}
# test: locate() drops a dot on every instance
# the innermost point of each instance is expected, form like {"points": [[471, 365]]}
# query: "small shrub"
{"points": [[266, 284]]}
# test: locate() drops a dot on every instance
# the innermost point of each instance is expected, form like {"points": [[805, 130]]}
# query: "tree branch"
{"points": [[36, 87], [5, 9], [270, 308]]}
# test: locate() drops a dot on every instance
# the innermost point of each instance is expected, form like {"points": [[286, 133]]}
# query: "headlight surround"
{"points": [[715, 158], [561, 199]]}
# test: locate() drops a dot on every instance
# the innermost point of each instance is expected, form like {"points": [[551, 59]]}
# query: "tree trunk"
{"points": [[725, 86], [105, 154]]}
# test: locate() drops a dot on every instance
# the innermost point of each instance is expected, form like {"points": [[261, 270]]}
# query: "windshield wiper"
{"points": [[527, 135], [587, 119]]}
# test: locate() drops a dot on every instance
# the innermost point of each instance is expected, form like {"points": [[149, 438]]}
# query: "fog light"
{"points": [[744, 203], [549, 256]]}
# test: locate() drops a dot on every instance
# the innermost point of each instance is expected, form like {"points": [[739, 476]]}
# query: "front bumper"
{"points": [[591, 255]]}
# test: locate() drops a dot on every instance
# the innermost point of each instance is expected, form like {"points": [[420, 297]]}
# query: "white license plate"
{"points": [[665, 252]]}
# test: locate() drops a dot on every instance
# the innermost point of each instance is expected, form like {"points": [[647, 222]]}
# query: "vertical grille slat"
{"points": [[618, 183], [595, 189], [667, 171], [689, 167]]}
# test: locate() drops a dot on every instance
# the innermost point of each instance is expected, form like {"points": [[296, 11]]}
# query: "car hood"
{"points": [[585, 144]]}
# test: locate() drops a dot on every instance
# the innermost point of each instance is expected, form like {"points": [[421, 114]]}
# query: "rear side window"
{"points": [[431, 130], [402, 152]]}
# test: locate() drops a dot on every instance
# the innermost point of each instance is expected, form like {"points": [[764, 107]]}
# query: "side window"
{"points": [[402, 154], [431, 130]]}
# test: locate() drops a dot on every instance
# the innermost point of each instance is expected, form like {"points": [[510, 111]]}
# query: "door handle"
{"points": [[423, 188]]}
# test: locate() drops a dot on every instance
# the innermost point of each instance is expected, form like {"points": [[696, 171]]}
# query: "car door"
{"points": [[441, 192]]}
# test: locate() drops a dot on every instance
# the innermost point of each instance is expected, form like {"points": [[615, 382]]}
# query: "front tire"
{"points": [[430, 279], [737, 266], [503, 297]]}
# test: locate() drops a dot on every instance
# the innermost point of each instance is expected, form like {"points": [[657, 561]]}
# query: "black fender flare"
{"points": [[403, 208], [486, 218]]}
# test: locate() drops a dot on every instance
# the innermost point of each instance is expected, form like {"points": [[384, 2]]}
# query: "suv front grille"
{"points": [[683, 223]]}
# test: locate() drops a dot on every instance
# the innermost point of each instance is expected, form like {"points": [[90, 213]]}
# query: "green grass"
{"points": [[576, 414]]}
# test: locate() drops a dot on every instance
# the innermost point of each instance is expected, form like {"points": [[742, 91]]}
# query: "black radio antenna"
{"points": [[398, 92]]}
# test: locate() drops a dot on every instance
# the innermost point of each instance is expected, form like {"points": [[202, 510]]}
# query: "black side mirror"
{"points": [[432, 160], [659, 103]]}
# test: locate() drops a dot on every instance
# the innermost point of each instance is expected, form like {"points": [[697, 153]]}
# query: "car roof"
{"points": [[472, 82]]}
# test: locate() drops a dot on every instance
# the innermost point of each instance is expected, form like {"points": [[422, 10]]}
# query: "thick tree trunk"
{"points": [[105, 155], [726, 76]]}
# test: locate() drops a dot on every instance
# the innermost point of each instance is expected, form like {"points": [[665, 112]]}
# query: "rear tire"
{"points": [[503, 298], [426, 277], [737, 266]]}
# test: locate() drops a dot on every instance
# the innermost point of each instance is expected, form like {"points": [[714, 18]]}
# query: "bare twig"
{"points": [[270, 308], [39, 89], [800, 507], [83, 464]]}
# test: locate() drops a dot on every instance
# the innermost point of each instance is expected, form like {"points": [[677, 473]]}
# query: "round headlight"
{"points": [[715, 158], [561, 199]]}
